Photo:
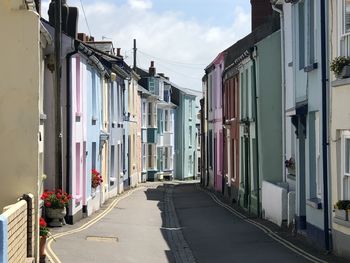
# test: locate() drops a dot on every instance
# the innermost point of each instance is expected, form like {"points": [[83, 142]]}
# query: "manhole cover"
{"points": [[102, 239]]}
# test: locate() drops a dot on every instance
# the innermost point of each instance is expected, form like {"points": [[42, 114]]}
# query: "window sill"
{"points": [[340, 82], [341, 222], [314, 203]]}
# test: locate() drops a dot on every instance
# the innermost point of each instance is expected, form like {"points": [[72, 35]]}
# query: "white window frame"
{"points": [[168, 157], [190, 142], [190, 165], [345, 175], [318, 161], [190, 110], [144, 157], [144, 110], [341, 25], [151, 154]]}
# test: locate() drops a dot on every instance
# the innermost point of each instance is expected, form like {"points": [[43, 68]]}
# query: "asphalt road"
{"points": [[170, 223]]}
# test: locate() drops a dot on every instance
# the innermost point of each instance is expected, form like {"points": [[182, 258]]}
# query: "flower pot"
{"points": [[93, 192], [56, 215], [345, 73], [42, 246], [342, 214]]}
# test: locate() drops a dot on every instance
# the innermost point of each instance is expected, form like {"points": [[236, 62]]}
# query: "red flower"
{"points": [[42, 222], [48, 204]]}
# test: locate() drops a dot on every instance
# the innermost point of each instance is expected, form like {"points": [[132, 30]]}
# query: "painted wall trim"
{"points": [[3, 239]]}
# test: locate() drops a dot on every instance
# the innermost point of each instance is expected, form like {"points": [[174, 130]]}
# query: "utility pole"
{"points": [[135, 49], [57, 94]]}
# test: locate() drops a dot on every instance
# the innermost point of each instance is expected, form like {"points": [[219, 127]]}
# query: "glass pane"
{"points": [[347, 156], [347, 16]]}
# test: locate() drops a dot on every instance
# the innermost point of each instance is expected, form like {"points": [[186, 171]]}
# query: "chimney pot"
{"points": [[152, 69], [118, 51]]}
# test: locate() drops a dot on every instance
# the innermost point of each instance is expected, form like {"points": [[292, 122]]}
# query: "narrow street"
{"points": [[172, 223]]}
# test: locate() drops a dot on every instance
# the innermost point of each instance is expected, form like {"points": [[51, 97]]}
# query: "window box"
{"points": [[342, 214]]}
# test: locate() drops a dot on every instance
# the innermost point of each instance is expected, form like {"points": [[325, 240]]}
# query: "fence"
{"points": [[16, 232]]}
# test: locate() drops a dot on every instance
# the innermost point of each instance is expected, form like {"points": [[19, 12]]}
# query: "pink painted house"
{"points": [[215, 140]]}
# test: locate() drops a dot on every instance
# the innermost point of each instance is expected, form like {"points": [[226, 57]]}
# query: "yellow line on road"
{"points": [[51, 254], [265, 229]]}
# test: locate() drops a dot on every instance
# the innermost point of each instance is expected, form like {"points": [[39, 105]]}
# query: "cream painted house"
{"points": [[21, 103], [339, 30], [134, 130]]}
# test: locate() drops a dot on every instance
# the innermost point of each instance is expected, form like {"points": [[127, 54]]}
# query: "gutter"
{"points": [[253, 58], [325, 124], [69, 123], [283, 86]]}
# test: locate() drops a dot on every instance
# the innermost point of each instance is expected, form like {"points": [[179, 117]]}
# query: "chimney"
{"points": [[82, 37], [261, 12], [69, 17], [118, 51], [152, 69]]}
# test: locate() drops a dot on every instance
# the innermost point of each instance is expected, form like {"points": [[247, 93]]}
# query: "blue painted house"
{"points": [[185, 137]]}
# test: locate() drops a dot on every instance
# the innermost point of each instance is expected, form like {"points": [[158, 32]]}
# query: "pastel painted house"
{"points": [[166, 130], [25, 44], [339, 127], [306, 117], [214, 79], [185, 133]]}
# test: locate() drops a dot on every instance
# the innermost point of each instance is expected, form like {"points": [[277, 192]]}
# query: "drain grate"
{"points": [[102, 239]]}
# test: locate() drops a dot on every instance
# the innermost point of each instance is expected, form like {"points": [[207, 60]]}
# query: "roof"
{"points": [[104, 46], [240, 48]]}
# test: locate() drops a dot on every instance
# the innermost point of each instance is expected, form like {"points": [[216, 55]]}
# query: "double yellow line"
{"points": [[51, 254], [265, 229]]}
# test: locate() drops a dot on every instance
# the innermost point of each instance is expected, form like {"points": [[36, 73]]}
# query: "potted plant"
{"points": [[44, 232], [55, 203], [290, 165], [341, 67], [341, 210], [96, 180]]}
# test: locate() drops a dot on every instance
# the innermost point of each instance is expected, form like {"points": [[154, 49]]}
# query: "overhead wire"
{"points": [[86, 21], [184, 64]]}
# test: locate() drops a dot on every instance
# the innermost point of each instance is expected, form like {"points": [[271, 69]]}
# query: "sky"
{"points": [[182, 37]]}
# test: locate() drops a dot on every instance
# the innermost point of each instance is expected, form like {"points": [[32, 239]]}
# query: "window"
{"points": [[144, 114], [150, 110], [301, 20], [152, 156], [190, 165], [210, 144], [168, 158], [319, 180], [190, 135], [190, 109], [166, 120], [345, 28], [345, 180], [113, 169], [144, 156]]}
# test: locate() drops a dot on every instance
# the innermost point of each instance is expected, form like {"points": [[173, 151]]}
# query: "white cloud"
{"points": [[140, 4], [167, 38]]}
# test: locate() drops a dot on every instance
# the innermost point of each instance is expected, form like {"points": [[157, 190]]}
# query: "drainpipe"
{"points": [[324, 60], [57, 94], [283, 86], [69, 123], [253, 57]]}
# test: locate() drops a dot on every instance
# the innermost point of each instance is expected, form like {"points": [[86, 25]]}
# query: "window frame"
{"points": [[345, 192]]}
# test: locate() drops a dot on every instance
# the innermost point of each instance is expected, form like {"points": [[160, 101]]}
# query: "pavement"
{"points": [[177, 223]]}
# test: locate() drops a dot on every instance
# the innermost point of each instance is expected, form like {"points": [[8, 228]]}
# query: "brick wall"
{"points": [[16, 231], [261, 11]]}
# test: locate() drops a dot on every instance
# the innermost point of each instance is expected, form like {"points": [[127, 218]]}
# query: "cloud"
{"points": [[140, 4], [181, 47]]}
